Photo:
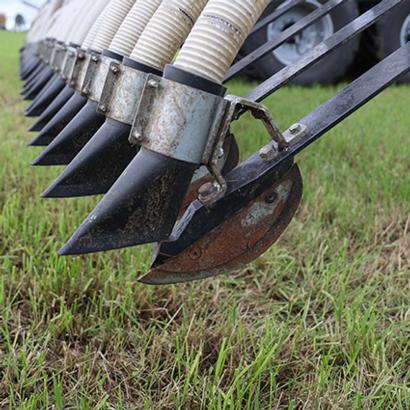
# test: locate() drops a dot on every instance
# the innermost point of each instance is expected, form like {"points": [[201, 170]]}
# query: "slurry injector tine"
{"points": [[176, 126], [74, 15], [52, 110], [103, 159], [69, 62]]}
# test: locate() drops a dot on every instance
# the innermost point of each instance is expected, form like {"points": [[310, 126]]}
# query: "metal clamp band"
{"points": [[49, 53], [178, 121], [122, 92]]}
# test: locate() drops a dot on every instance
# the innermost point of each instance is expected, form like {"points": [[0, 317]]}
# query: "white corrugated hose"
{"points": [[166, 31], [79, 32], [133, 26], [89, 38], [218, 36], [113, 17]]}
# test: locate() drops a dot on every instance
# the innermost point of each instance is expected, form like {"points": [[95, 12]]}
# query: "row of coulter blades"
{"points": [[156, 141]]}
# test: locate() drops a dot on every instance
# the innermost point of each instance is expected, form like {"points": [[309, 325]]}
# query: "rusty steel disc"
{"points": [[239, 240]]}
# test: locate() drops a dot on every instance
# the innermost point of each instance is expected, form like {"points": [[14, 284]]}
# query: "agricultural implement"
{"points": [[145, 121]]}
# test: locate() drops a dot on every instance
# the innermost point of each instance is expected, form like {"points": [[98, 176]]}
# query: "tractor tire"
{"points": [[390, 33], [330, 69]]}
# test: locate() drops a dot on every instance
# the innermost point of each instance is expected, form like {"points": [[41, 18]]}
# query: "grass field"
{"points": [[322, 321]]}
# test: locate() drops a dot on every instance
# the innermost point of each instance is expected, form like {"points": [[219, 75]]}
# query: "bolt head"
{"points": [[295, 128], [136, 138], [206, 190], [94, 58], [153, 84], [103, 108], [267, 153], [114, 69]]}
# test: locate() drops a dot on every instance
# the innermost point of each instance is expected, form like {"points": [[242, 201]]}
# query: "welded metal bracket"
{"points": [[111, 80], [122, 92], [68, 63], [59, 58], [79, 64], [236, 107], [90, 74]]}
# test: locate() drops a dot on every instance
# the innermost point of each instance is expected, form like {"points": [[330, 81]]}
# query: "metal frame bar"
{"points": [[338, 39], [354, 96], [279, 12], [282, 38]]}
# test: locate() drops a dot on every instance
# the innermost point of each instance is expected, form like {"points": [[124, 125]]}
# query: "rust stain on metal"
{"points": [[239, 240]]}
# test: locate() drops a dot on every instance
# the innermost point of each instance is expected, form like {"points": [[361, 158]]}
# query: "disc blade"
{"points": [[239, 240]]}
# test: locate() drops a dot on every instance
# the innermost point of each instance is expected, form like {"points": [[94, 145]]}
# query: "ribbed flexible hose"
{"points": [[79, 31], [55, 11], [116, 13], [89, 39], [218, 36], [53, 22], [71, 16], [37, 31], [132, 27], [166, 31]]}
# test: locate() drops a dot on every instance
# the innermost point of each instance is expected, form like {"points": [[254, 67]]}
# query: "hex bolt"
{"points": [[153, 84], [103, 108], [267, 153], [95, 59], [206, 190], [221, 153], [136, 138], [114, 69], [295, 129], [208, 193]]}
